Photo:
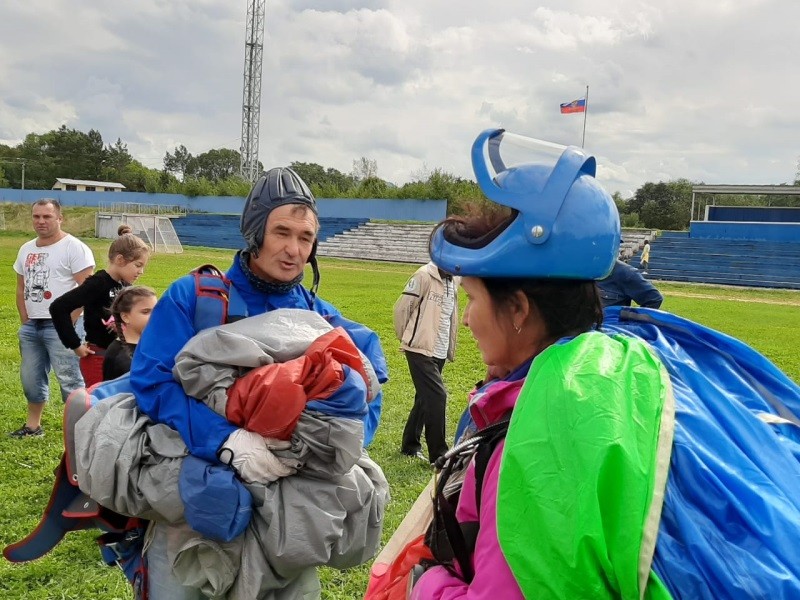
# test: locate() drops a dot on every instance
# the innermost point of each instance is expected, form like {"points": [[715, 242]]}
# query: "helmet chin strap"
{"points": [[315, 271]]}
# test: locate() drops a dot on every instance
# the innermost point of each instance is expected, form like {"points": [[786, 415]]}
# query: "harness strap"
{"points": [[217, 299], [446, 515], [447, 538], [484, 453]]}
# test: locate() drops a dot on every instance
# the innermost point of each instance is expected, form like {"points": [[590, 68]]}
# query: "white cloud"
{"points": [[702, 90]]}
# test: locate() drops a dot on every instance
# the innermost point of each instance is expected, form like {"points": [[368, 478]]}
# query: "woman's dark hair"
{"points": [[124, 302], [123, 229], [566, 306]]}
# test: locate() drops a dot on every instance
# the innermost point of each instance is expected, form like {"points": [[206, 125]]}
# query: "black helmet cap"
{"points": [[276, 187]]}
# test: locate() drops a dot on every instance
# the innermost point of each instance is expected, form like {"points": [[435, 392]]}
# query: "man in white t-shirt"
{"points": [[46, 267], [426, 323]]}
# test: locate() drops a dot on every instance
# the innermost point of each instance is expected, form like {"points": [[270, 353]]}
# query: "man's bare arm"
{"points": [[23, 312]]}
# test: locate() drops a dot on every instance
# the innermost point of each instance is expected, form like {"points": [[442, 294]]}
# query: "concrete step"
{"points": [[402, 242]]}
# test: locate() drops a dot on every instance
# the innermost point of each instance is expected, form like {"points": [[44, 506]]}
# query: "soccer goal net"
{"points": [[156, 230]]}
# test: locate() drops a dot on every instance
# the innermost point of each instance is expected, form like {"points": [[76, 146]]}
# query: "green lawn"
{"points": [[364, 291]]}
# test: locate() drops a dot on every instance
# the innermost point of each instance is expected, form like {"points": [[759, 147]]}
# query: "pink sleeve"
{"points": [[493, 578]]}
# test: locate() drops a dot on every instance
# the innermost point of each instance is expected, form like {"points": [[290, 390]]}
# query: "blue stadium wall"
{"points": [[356, 208], [222, 231], [748, 223], [753, 232], [760, 214], [213, 221]]}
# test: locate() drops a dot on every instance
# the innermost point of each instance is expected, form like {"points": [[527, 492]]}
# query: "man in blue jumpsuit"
{"points": [[625, 285], [279, 224]]}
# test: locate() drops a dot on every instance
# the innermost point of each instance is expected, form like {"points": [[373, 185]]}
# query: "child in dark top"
{"points": [[131, 311], [127, 257]]}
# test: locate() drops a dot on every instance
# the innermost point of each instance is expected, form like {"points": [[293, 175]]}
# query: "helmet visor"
{"points": [[509, 150]]}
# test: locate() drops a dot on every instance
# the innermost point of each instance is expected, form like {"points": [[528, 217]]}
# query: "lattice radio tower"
{"points": [[251, 97]]}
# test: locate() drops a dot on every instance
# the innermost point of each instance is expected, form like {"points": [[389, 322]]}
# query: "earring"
{"points": [[517, 328]]}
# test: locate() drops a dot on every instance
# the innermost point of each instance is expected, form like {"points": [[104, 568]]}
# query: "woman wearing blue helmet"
{"points": [[564, 470]]}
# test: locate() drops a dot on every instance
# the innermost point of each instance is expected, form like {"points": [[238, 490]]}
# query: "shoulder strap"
{"points": [[218, 301], [459, 538], [484, 453]]}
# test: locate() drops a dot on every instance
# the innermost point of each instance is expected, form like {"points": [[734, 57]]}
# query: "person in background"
{"points": [[127, 258], [123, 229], [47, 267], [625, 285], [131, 311], [644, 260], [426, 323]]}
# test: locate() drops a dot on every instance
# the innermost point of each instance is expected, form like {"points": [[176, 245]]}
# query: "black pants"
{"points": [[430, 400]]}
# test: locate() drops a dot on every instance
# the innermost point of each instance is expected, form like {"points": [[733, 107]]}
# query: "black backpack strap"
{"points": [[484, 453], [448, 539], [449, 531]]}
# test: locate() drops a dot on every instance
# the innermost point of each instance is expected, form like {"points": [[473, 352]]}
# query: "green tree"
{"points": [[663, 205], [3, 181], [218, 164], [325, 183], [198, 187], [232, 186], [372, 187], [63, 152], [179, 162], [116, 159]]}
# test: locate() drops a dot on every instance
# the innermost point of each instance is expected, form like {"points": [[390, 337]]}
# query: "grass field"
{"points": [[364, 291]]}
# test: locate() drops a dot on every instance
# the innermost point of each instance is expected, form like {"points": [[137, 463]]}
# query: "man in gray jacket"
{"points": [[426, 323]]}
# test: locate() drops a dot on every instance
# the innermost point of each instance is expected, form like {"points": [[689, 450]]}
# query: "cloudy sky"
{"points": [[706, 90]]}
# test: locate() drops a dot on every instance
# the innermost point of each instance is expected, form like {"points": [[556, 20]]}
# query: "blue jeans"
{"points": [[41, 350]]}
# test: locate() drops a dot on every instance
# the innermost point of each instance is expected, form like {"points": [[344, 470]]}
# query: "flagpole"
{"points": [[585, 111]]}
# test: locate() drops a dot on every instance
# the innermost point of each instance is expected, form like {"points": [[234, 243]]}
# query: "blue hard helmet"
{"points": [[564, 225]]}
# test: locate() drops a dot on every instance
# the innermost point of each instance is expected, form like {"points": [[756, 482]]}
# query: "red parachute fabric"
{"points": [[268, 400]]}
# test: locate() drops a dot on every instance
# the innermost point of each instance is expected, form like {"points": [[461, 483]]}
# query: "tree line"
{"points": [[70, 153]]}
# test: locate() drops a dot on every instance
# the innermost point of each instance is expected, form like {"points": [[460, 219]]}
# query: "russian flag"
{"points": [[574, 107]]}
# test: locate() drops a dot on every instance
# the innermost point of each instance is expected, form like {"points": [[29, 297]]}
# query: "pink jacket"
{"points": [[493, 578]]}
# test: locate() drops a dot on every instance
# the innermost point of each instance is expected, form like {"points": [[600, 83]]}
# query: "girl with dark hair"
{"points": [[131, 311], [127, 257]]}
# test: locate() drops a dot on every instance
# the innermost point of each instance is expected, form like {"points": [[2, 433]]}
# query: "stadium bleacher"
{"points": [[675, 256]]}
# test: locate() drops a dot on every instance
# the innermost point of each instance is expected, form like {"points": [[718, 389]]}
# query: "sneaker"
{"points": [[26, 431], [418, 454]]}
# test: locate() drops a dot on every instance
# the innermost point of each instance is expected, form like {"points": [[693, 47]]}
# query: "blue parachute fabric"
{"points": [[125, 550], [348, 402], [106, 389], [730, 525], [370, 344], [215, 503]]}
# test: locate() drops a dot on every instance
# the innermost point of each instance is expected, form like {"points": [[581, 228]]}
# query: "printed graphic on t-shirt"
{"points": [[36, 277]]}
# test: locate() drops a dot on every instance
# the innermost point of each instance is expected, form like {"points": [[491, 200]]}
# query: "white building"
{"points": [[82, 185]]}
